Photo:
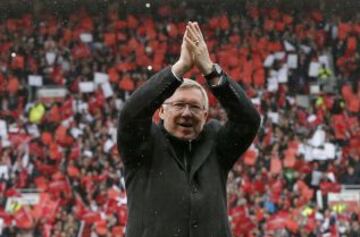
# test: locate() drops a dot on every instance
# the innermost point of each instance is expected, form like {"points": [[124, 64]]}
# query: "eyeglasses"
{"points": [[180, 107]]}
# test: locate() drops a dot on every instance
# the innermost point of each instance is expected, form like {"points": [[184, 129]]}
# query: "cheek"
{"points": [[171, 122], [199, 125]]}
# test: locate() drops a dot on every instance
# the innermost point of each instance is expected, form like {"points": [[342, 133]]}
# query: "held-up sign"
{"points": [[35, 80], [292, 61], [314, 69], [86, 37], [87, 86], [101, 78], [107, 90], [3, 130]]}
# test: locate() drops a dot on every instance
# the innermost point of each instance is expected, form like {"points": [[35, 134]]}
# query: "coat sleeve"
{"points": [[135, 119], [243, 122]]}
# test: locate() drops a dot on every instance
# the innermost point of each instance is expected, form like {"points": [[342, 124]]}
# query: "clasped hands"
{"points": [[194, 52]]}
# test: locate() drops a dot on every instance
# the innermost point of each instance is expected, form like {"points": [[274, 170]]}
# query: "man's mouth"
{"points": [[186, 125]]}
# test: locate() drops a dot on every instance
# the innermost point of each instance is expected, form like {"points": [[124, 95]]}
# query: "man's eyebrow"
{"points": [[185, 101]]}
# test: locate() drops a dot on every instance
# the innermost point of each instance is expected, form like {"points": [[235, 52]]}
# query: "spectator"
{"points": [[350, 177]]}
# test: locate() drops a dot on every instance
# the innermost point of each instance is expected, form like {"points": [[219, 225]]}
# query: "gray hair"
{"points": [[188, 83]]}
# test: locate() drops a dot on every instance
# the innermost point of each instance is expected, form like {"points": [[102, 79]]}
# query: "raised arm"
{"points": [[135, 118], [244, 120]]}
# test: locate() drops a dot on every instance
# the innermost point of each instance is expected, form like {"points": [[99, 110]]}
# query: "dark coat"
{"points": [[163, 199]]}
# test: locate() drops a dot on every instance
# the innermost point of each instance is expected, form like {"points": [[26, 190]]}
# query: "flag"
{"points": [[23, 218]]}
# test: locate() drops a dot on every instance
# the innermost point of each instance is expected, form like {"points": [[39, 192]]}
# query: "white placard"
{"points": [[319, 199], [318, 154], [274, 116], [67, 122], [101, 78], [76, 132], [324, 59], [331, 177], [318, 138], [108, 145], [50, 57], [13, 128], [89, 118], [119, 103], [314, 89], [122, 200], [326, 152], [272, 84], [87, 87], [305, 48], [330, 150], [288, 46], [112, 131], [52, 92], [280, 55], [33, 130], [273, 73], [311, 118], [107, 90], [269, 61], [291, 100], [25, 159], [303, 101], [282, 76], [88, 153], [35, 80], [4, 172], [3, 130], [80, 106], [334, 32], [86, 37], [2, 226], [256, 101], [292, 61], [5, 143], [316, 177], [314, 69]]}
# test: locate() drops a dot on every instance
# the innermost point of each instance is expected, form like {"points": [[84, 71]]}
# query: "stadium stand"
{"points": [[65, 73]]}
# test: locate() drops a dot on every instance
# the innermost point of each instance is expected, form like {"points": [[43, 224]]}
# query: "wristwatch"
{"points": [[216, 71]]}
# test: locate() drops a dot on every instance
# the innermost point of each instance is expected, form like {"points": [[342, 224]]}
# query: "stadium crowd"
{"points": [[301, 69]]}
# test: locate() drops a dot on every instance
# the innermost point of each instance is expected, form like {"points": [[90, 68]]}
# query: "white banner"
{"points": [[292, 61], [87, 87], [35, 80], [101, 78], [86, 37]]}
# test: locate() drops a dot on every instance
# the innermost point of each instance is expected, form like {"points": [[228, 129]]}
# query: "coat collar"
{"points": [[201, 148]]}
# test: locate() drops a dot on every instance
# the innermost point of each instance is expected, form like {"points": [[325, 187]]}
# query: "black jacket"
{"points": [[163, 199]]}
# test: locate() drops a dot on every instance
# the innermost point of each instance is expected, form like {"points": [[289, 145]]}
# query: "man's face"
{"points": [[184, 113]]}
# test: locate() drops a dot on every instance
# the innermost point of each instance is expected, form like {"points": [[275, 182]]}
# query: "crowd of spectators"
{"points": [[301, 69]]}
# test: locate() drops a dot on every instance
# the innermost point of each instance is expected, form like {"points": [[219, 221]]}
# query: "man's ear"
{"points": [[206, 114], [161, 112]]}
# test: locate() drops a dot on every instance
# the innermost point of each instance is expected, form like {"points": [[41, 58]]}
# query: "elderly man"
{"points": [[176, 172]]}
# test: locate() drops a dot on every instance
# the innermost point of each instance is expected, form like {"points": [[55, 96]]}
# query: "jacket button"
{"points": [[195, 224]]}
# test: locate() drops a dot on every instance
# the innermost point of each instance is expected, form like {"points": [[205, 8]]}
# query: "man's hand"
{"points": [[197, 44], [186, 61]]}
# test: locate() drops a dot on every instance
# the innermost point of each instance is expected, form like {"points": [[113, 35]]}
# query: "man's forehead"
{"points": [[191, 93]]}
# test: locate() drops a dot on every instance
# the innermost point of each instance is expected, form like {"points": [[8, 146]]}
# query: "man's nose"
{"points": [[186, 111]]}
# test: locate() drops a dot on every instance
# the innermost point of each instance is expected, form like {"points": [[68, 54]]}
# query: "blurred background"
{"points": [[66, 68]]}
